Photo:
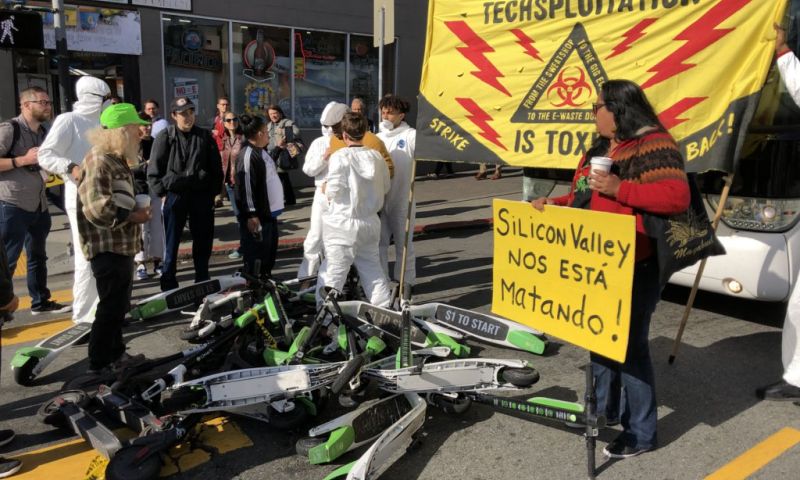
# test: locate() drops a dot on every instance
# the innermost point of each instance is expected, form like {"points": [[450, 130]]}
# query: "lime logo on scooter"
{"points": [[28, 362]]}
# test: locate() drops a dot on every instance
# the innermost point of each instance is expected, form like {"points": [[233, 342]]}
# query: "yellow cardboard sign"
{"points": [[567, 272], [514, 81]]}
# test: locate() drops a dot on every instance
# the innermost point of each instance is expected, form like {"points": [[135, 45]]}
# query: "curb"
{"points": [[296, 243]]}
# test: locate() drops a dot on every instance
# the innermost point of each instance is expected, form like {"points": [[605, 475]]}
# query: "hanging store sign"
{"points": [[101, 30]]}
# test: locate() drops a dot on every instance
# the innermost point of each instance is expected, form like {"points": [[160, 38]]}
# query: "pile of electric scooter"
{"points": [[273, 351]]}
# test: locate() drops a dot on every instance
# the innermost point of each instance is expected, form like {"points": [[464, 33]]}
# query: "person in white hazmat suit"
{"points": [[788, 389], [358, 181], [316, 165], [400, 140], [62, 153]]}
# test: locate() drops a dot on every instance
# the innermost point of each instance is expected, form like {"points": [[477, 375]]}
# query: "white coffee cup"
{"points": [[601, 164], [142, 200]]}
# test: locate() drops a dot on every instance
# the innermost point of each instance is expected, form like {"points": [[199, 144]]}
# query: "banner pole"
{"points": [[695, 287], [591, 429], [405, 337]]}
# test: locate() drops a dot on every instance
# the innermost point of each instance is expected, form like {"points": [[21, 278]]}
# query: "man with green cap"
{"points": [[109, 218]]}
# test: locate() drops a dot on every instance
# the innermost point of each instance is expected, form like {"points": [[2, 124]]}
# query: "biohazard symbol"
{"points": [[565, 91], [571, 88]]}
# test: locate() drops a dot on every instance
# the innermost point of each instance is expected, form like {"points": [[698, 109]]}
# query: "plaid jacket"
{"points": [[105, 200]]}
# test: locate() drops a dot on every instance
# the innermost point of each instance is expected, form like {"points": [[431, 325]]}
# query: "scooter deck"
{"points": [[357, 428], [471, 374], [28, 362], [183, 297], [241, 388], [487, 328], [390, 446]]}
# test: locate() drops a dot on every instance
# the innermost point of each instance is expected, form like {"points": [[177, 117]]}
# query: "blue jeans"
{"points": [[199, 208], [232, 198], [626, 391], [20, 228]]}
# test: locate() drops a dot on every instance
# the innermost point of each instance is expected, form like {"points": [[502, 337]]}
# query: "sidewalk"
{"points": [[442, 204]]}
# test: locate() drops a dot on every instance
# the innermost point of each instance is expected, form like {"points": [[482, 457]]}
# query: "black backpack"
{"points": [[16, 135]]}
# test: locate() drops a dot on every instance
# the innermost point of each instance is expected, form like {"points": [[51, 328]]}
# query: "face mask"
{"points": [[387, 125], [106, 104], [327, 131]]}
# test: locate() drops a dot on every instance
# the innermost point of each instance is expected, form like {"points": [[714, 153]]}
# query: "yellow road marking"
{"points": [[57, 296], [75, 459], [754, 459], [34, 332], [22, 265]]}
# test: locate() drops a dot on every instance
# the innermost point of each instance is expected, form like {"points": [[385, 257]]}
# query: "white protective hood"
{"points": [[90, 92]]}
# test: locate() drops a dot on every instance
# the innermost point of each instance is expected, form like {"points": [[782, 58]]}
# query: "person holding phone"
{"points": [[285, 147], [259, 198]]}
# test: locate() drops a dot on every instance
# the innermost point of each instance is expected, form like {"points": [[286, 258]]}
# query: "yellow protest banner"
{"points": [[567, 272], [514, 81]]}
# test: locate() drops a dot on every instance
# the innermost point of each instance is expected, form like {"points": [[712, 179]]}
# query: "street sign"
{"points": [[382, 22], [21, 30]]}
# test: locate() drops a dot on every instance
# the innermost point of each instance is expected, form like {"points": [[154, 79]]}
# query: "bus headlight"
{"points": [[758, 214]]}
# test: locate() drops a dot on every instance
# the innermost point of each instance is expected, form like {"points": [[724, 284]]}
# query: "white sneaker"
{"points": [[141, 272]]}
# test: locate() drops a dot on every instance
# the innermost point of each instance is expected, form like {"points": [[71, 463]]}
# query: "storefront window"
{"points": [[364, 73], [195, 54], [320, 69], [261, 68]]}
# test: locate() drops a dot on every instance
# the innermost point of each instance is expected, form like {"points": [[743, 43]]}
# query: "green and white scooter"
{"points": [[29, 362], [182, 297], [486, 328]]}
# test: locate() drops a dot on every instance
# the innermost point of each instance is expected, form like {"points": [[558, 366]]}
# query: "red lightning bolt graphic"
{"points": [[631, 36], [698, 36], [481, 119], [669, 117], [526, 43], [474, 51]]}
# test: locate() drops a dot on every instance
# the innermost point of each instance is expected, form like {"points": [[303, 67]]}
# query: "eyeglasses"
{"points": [[229, 120], [44, 103], [596, 107]]}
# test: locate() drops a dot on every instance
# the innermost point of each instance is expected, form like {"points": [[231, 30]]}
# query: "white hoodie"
{"points": [[314, 164], [358, 180], [66, 141]]}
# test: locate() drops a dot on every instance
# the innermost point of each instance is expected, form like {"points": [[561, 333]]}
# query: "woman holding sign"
{"points": [[633, 166]]}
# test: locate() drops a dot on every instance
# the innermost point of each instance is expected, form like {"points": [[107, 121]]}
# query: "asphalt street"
{"points": [[708, 414]]}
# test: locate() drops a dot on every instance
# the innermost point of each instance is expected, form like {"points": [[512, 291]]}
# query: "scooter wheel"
{"points": [[304, 445], [288, 420], [50, 411], [134, 463], [520, 377], [457, 405], [24, 375]]}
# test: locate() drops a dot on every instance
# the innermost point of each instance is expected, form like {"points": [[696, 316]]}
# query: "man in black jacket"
{"points": [[186, 172]]}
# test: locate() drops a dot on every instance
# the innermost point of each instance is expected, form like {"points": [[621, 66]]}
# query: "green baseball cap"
{"points": [[119, 115]]}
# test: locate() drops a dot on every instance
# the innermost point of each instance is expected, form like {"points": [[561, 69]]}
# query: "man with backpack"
{"points": [[24, 216]]}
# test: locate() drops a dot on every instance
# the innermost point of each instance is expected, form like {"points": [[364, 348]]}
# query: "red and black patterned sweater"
{"points": [[653, 180]]}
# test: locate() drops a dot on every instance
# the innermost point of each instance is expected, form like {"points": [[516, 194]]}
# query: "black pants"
{"points": [[113, 274], [199, 208], [264, 250], [288, 191]]}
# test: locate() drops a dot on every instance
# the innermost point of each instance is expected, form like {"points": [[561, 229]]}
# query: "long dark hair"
{"points": [[632, 111], [277, 109], [251, 125], [238, 129]]}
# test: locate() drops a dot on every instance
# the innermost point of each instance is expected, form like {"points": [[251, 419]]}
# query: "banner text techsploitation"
{"points": [[529, 10]]}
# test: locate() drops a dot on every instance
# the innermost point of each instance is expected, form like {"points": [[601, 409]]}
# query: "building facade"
{"points": [[295, 54]]}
